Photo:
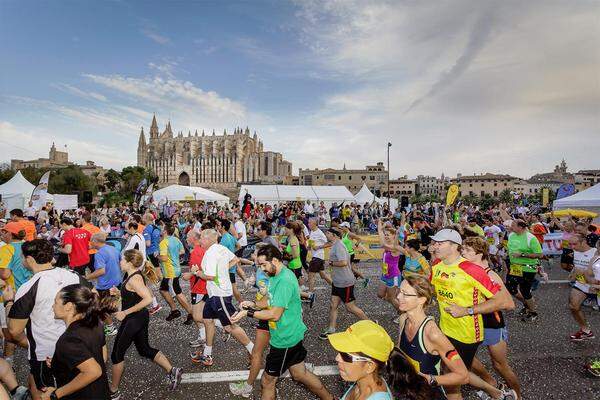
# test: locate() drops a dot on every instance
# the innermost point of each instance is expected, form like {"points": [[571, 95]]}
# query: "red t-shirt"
{"points": [[79, 239], [197, 285]]}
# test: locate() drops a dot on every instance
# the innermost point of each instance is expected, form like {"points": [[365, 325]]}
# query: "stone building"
{"points": [[402, 187], [480, 185], [374, 176], [219, 162], [56, 159]]}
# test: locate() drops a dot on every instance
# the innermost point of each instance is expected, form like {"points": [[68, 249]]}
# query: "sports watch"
{"points": [[470, 311]]}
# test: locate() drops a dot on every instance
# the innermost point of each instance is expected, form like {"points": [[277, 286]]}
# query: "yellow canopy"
{"points": [[573, 213]]}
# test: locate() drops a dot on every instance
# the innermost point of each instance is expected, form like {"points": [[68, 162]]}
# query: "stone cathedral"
{"points": [[219, 162]]}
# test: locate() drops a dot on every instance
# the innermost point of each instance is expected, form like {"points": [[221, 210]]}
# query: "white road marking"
{"points": [[236, 376]]}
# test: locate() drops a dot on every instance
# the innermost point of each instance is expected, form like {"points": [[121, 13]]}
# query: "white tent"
{"points": [[588, 199], [187, 193], [272, 194], [16, 192], [364, 195]]}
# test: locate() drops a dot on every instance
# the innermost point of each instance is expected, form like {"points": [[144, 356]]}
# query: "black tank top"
{"points": [[420, 358], [128, 298], [494, 320]]}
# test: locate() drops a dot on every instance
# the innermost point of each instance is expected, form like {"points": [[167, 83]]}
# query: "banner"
{"points": [[552, 245], [452, 194], [147, 197], [65, 202], [39, 194], [565, 190], [545, 197]]}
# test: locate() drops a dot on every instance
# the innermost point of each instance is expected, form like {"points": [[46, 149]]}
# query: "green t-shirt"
{"points": [[294, 263], [348, 243], [524, 243], [284, 292]]}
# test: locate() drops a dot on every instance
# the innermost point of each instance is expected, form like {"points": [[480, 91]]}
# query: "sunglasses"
{"points": [[351, 358], [403, 293]]}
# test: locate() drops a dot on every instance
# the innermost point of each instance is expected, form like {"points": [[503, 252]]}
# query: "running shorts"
{"points": [[280, 360], [170, 285], [42, 374], [466, 351], [346, 294], [316, 265], [493, 336], [197, 298], [220, 308], [391, 282]]}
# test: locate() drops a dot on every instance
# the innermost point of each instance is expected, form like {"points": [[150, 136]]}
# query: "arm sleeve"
{"points": [[283, 296], [24, 302]]}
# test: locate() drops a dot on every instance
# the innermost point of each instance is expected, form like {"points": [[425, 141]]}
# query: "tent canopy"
{"points": [[17, 185], [364, 195], [588, 199], [187, 193], [278, 193]]}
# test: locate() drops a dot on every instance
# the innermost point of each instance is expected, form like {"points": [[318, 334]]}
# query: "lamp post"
{"points": [[388, 171]]}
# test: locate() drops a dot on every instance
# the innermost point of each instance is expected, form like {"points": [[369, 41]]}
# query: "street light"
{"points": [[388, 180]]}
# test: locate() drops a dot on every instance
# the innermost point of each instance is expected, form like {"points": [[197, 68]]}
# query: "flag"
{"points": [[140, 189], [147, 197], [40, 193], [545, 197], [565, 190], [452, 194]]}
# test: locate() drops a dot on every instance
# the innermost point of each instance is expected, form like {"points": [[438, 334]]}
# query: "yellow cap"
{"points": [[364, 337]]}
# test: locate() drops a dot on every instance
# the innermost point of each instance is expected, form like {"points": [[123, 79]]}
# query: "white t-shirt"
{"points": [[138, 242], [29, 211], [319, 239], [240, 228], [492, 236], [216, 263], [309, 209], [581, 262]]}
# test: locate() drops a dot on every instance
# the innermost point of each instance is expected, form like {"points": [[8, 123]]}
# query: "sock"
{"points": [[207, 351], [202, 333], [154, 302], [249, 347]]}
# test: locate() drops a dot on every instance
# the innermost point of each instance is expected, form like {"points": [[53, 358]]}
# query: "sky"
{"points": [[456, 86]]}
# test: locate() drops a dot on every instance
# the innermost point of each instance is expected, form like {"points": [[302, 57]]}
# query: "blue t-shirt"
{"points": [[374, 396], [13, 256], [108, 258], [227, 240], [152, 233]]}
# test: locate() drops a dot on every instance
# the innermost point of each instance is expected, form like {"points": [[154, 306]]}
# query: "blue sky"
{"points": [[456, 86]]}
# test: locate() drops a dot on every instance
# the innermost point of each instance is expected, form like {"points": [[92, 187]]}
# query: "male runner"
{"points": [[580, 290]]}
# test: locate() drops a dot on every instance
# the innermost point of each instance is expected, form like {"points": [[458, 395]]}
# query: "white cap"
{"points": [[345, 224], [447, 235]]}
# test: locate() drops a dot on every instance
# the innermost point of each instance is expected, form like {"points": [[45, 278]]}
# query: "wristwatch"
{"points": [[53, 396], [470, 311], [432, 381]]}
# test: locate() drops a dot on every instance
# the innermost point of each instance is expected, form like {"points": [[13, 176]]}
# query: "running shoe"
{"points": [[366, 282], [588, 302], [197, 343], [241, 388], [483, 395], [593, 368], [175, 377], [21, 393], [509, 394], [522, 312], [580, 335], [311, 300], [173, 314], [530, 317], [189, 320], [207, 361], [154, 310], [325, 333], [115, 395], [110, 330]]}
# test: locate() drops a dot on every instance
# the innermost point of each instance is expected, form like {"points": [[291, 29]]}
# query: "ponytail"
{"points": [[403, 379], [88, 303]]}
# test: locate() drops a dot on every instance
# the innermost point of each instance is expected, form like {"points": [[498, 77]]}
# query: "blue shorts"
{"points": [[391, 282], [492, 337]]}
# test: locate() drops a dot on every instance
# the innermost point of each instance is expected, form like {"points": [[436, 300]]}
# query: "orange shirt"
{"points": [[141, 228], [92, 229], [29, 228]]}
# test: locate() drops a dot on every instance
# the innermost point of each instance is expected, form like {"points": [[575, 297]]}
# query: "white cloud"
{"points": [[78, 92], [156, 37]]}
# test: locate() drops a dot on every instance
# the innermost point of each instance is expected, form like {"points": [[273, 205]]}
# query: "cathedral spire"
{"points": [[154, 124], [153, 128], [142, 141], [247, 132]]}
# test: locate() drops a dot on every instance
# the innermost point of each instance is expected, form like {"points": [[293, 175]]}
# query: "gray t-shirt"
{"points": [[341, 276], [270, 240]]}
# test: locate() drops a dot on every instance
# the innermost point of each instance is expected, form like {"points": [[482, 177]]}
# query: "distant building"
{"points": [[428, 186], [586, 178], [56, 159], [529, 188], [374, 176], [480, 185], [402, 187]]}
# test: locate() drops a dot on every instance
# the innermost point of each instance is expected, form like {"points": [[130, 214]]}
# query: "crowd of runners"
{"points": [[71, 279]]}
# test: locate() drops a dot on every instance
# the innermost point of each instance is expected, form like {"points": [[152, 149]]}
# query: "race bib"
{"points": [[384, 268], [491, 240], [516, 270], [580, 278]]}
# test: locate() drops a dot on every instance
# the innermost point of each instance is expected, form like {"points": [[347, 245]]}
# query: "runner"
{"points": [[283, 311], [227, 240], [134, 317], [316, 243], [351, 240], [464, 292], [475, 250], [492, 235], [524, 252], [414, 261], [390, 273], [92, 229], [28, 226], [31, 311], [580, 289], [136, 239], [170, 249], [215, 265], [152, 237], [293, 231], [342, 289], [566, 259], [75, 243], [198, 292]]}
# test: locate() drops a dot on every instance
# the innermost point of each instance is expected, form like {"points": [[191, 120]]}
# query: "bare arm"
{"points": [[138, 286], [437, 343], [67, 249]]}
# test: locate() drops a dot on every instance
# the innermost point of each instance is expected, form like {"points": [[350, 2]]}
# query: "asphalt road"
{"points": [[547, 363]]}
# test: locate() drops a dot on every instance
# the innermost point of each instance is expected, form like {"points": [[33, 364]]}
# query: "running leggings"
{"points": [[134, 329], [520, 283]]}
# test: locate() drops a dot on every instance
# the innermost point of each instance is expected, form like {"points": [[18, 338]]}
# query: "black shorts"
{"points": [[220, 308], [567, 257], [42, 374], [297, 272], [170, 285], [466, 351], [154, 260], [280, 360], [316, 265], [197, 298], [232, 277], [263, 325], [346, 294]]}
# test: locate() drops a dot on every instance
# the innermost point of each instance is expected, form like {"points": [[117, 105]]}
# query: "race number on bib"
{"points": [[516, 270]]}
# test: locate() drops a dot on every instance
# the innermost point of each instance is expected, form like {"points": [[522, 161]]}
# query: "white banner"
{"points": [[40, 193], [552, 245], [65, 202]]}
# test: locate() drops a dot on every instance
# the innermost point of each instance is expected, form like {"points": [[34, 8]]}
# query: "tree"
{"points": [[113, 180], [6, 173], [69, 180], [506, 197]]}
